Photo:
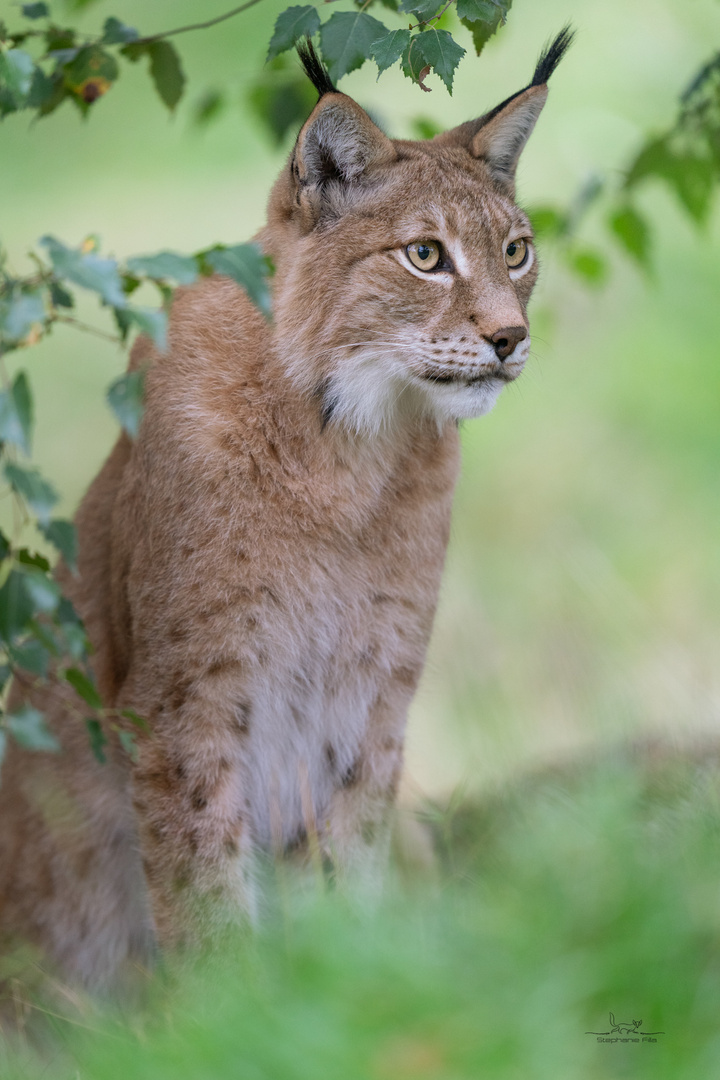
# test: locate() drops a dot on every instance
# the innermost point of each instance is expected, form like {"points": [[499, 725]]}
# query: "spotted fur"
{"points": [[259, 570]]}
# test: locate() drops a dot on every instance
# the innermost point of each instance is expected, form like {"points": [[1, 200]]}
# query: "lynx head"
{"points": [[404, 268]]}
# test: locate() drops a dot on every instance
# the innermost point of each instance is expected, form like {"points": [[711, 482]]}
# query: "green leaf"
{"points": [[482, 31], [282, 97], [422, 9], [98, 739], [28, 483], [547, 222], [83, 686], [138, 721], [425, 128], [291, 26], [91, 73], [61, 297], [42, 590], [58, 93], [5, 676], [42, 632], [347, 39], [42, 89], [690, 175], [588, 264], [487, 11], [117, 33], [127, 741], [166, 265], [19, 314], [35, 11], [27, 726], [72, 630], [16, 72], [7, 103], [16, 413], [166, 72], [208, 107], [388, 49], [633, 232], [86, 269], [125, 397], [62, 535], [4, 545], [245, 264], [31, 656], [33, 558], [150, 321], [435, 49], [16, 607]]}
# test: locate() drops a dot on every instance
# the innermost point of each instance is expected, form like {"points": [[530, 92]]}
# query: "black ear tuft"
{"points": [[315, 70], [552, 55]]}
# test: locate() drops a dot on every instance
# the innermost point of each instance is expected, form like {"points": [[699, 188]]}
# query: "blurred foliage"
{"points": [[562, 900]]}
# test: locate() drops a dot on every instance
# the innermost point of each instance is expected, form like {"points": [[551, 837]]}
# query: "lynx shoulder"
{"points": [[259, 569]]}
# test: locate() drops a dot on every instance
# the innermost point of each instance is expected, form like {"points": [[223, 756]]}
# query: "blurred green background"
{"points": [[580, 608], [581, 601]]}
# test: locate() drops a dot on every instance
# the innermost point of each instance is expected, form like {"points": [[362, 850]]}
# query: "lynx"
{"points": [[259, 569]]}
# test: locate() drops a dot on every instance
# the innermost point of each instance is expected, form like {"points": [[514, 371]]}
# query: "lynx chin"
{"points": [[259, 569]]}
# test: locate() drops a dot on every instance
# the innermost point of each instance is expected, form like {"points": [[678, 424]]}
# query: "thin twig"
{"points": [[196, 26], [86, 327]]}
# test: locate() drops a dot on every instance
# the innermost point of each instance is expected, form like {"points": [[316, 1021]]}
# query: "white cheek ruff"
{"points": [[458, 401], [371, 390]]}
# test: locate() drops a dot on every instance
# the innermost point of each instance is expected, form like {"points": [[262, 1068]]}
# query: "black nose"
{"points": [[506, 339]]}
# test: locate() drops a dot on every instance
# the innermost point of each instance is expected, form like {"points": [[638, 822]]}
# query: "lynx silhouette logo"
{"points": [[625, 1031]]}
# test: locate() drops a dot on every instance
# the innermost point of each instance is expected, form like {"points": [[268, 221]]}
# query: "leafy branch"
{"points": [[39, 627], [685, 157]]}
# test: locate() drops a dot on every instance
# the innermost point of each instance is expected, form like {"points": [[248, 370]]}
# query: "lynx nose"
{"points": [[506, 339]]}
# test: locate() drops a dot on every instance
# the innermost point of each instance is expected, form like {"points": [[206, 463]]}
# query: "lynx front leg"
{"points": [[193, 822], [359, 821]]}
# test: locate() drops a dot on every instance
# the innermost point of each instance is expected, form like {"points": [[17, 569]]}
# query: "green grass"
{"points": [[557, 901]]}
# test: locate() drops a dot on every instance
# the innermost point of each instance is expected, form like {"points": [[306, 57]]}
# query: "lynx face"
{"points": [[413, 266]]}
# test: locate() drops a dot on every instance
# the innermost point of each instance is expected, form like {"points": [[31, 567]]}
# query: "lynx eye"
{"points": [[516, 254], [423, 254]]}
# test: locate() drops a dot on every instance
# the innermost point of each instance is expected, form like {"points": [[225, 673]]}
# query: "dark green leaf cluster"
{"points": [[687, 157], [421, 46], [40, 68], [39, 629], [31, 305]]}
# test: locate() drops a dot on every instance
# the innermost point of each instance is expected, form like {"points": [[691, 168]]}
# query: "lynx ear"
{"points": [[501, 140], [500, 136], [339, 142]]}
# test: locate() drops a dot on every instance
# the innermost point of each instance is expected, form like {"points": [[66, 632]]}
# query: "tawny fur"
{"points": [[259, 570]]}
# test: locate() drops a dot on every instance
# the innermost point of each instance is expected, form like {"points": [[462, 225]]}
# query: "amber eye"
{"points": [[516, 254], [424, 254]]}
